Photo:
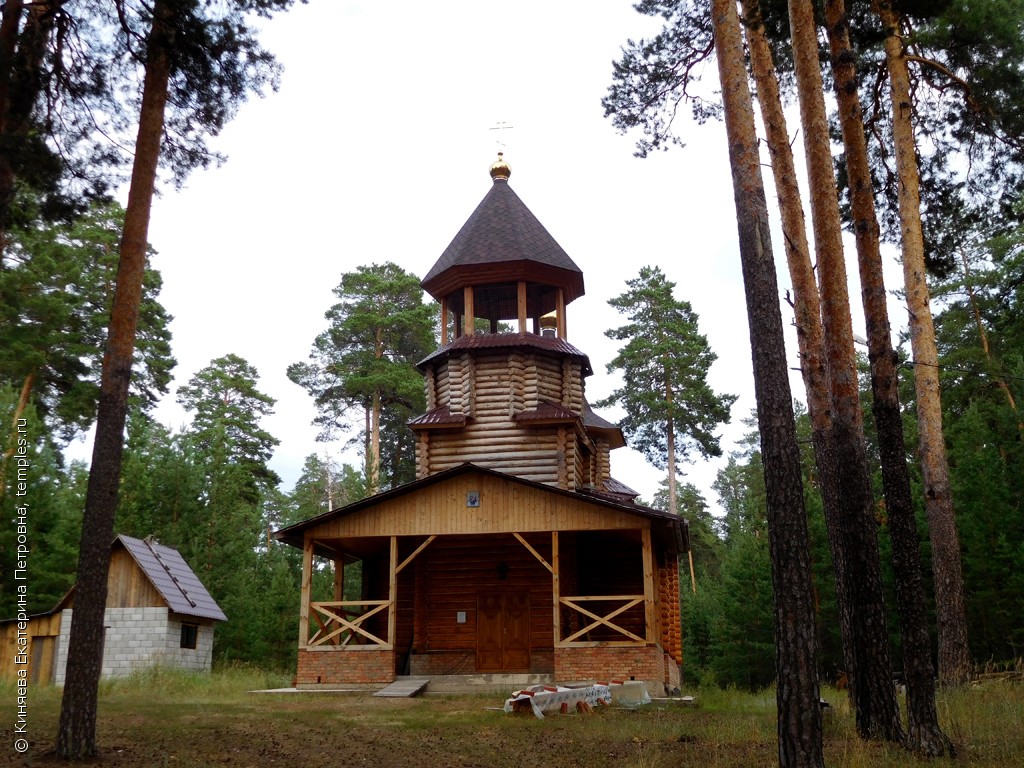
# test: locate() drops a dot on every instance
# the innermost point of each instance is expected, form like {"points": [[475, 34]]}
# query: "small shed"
{"points": [[158, 614]]}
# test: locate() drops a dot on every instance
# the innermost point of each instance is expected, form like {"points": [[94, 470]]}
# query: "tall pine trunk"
{"points": [[76, 735], [954, 654], [806, 305], [876, 708], [797, 694], [924, 734]]}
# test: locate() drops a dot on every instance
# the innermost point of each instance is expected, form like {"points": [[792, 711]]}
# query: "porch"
{"points": [[554, 605]]}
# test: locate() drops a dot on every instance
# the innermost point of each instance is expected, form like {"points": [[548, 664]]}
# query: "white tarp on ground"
{"points": [[550, 698]]}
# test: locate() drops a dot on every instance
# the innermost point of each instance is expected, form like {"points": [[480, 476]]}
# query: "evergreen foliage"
{"points": [[364, 364], [671, 411], [56, 293]]}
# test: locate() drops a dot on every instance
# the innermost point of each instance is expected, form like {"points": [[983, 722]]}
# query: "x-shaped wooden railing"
{"points": [[341, 627], [573, 604]]}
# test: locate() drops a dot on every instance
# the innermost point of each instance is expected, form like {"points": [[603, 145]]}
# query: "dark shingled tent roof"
{"points": [[502, 240]]}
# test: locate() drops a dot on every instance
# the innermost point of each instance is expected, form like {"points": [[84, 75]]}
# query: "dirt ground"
{"points": [[181, 722], [360, 730]]}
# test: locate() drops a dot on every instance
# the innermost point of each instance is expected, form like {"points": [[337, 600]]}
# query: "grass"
{"points": [[168, 718]]}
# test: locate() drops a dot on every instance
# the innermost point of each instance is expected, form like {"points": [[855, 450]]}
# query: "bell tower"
{"points": [[506, 388], [503, 266]]}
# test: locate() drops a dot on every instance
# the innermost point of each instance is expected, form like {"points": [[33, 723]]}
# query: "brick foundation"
{"points": [[673, 674], [463, 662], [342, 666], [443, 663], [647, 663]]}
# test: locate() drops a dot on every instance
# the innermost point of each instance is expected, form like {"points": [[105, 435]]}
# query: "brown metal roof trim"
{"points": [[598, 425], [502, 230], [547, 413], [170, 574], [439, 417], [611, 485], [510, 341]]}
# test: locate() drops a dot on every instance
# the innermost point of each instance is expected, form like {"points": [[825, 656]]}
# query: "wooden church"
{"points": [[514, 550]]}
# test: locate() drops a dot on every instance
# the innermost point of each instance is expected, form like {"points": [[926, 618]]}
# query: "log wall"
{"points": [[620, 572], [490, 387]]}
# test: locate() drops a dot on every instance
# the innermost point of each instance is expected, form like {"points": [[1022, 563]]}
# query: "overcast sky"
{"points": [[376, 148]]}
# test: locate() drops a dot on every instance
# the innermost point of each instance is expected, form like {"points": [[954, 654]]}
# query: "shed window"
{"points": [[189, 635]]}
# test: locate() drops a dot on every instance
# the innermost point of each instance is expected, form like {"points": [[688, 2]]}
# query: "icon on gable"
{"points": [[473, 499]]}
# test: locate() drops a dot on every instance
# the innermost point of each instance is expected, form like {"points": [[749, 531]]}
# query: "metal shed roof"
{"points": [[172, 577]]}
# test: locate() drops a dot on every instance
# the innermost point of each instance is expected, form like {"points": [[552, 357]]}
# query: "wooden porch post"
{"points": [[649, 614], [469, 318], [393, 593], [444, 321], [556, 587], [339, 578], [307, 582], [522, 306], [562, 325]]}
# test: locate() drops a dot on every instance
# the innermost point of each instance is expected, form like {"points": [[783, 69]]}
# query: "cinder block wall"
{"points": [[136, 638], [198, 659]]}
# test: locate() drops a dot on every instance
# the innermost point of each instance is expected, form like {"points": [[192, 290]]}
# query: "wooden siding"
{"points": [[127, 585], [422, 454], [461, 375], [603, 463], [516, 382], [505, 506], [572, 385], [430, 383], [42, 632], [441, 383], [493, 387], [545, 376]]}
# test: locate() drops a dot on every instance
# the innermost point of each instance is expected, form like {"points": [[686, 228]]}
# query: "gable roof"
{"points": [[173, 579], [169, 574], [502, 239], [672, 525]]}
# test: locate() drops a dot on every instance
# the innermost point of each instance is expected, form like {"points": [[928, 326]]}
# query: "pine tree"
{"points": [[366, 362], [797, 697], [671, 411], [871, 687], [954, 654], [55, 301], [223, 540], [202, 66]]}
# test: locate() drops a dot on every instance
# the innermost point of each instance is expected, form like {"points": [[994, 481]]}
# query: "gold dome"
{"points": [[500, 169]]}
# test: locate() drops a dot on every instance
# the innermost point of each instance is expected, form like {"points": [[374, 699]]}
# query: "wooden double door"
{"points": [[503, 632]]}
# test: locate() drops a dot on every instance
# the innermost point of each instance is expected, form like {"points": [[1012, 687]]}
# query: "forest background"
{"points": [[208, 487]]}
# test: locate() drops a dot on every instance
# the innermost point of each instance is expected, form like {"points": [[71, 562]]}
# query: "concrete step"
{"points": [[404, 687], [484, 683]]}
